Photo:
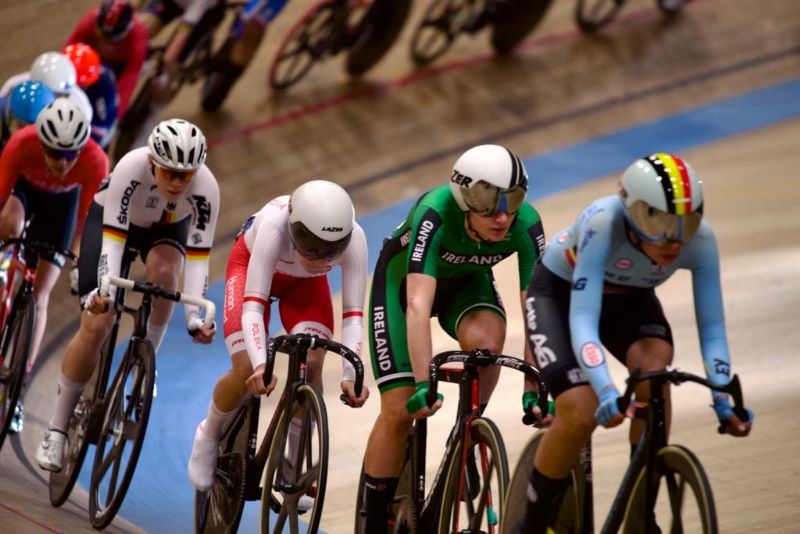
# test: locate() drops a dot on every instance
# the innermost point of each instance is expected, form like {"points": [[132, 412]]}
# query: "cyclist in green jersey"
{"points": [[438, 263]]}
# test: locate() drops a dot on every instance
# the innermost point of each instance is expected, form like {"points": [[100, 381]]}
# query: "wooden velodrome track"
{"points": [[398, 131]]}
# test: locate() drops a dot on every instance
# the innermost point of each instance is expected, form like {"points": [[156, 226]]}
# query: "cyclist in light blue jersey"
{"points": [[596, 285]]}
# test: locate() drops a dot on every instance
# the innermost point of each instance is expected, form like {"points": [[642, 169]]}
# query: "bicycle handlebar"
{"points": [[677, 377], [484, 358], [39, 246], [306, 342], [157, 291]]}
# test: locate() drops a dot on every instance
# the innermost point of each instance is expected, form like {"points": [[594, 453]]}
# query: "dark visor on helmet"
{"points": [[658, 227], [486, 199], [313, 247]]}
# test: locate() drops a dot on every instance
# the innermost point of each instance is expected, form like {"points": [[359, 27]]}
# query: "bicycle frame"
{"points": [[427, 510]]}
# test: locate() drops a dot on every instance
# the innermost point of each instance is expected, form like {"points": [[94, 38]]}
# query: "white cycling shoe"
{"points": [[203, 462], [50, 453], [305, 504]]}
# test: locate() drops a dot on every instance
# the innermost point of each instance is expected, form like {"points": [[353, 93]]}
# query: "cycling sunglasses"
{"points": [[57, 154]]}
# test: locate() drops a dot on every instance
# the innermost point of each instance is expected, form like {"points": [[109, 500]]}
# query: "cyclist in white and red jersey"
{"points": [[161, 201], [284, 252], [48, 174]]}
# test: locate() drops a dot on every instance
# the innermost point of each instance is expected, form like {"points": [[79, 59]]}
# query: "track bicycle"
{"points": [[17, 317], [664, 488], [115, 419], [444, 20], [364, 29], [288, 474], [469, 489], [196, 61], [592, 15]]}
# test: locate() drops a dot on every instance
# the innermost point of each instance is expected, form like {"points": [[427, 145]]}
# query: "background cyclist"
{"points": [[285, 252], [438, 262], [56, 71], [49, 173], [121, 40], [100, 86], [595, 285], [162, 201], [21, 107]]}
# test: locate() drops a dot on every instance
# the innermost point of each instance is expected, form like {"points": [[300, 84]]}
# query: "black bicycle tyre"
{"points": [[486, 433], [569, 520], [377, 32], [674, 460], [219, 510], [592, 15], [307, 397], [515, 20], [219, 79], [61, 484], [424, 49], [17, 337], [403, 515], [132, 122], [323, 14], [140, 353]]}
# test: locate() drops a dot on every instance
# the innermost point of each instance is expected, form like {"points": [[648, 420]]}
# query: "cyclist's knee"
{"points": [[650, 354], [95, 327], [393, 409], [575, 410]]}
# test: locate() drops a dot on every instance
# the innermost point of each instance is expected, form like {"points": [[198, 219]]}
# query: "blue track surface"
{"points": [[161, 497]]}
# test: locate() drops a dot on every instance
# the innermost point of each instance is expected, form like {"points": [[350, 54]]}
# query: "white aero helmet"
{"points": [[56, 71], [663, 197], [488, 179], [321, 219], [178, 145], [62, 126]]}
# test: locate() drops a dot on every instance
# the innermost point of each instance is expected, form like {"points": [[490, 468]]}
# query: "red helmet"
{"points": [[114, 18], [86, 61]]}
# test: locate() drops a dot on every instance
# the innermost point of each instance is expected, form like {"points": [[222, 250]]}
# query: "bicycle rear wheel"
{"points": [[591, 15], [16, 348], [443, 21], [568, 520], [293, 474], [514, 20], [122, 434], [683, 498], [376, 33], [219, 510], [305, 44], [131, 124], [476, 484]]}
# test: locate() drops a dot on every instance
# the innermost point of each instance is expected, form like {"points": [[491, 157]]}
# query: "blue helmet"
{"points": [[27, 99]]}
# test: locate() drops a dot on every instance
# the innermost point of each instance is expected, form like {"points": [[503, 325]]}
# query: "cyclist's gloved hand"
{"points": [[533, 415], [199, 331], [608, 413], [730, 423], [95, 304], [419, 401], [73, 279]]}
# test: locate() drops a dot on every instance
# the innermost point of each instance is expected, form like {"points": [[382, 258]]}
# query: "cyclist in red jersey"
{"points": [[121, 40], [49, 173]]}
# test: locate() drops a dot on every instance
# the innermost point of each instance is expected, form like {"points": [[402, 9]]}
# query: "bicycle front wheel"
{"points": [[16, 347], [297, 466], [377, 31], [443, 21], [122, 434], [569, 518], [591, 15], [477, 480], [681, 495], [306, 43]]}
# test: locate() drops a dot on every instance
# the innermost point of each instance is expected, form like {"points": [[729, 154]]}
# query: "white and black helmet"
{"points": [[488, 179], [321, 219], [63, 126], [178, 145]]}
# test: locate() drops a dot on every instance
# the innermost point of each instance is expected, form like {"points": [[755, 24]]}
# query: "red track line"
{"points": [[418, 76], [32, 520]]}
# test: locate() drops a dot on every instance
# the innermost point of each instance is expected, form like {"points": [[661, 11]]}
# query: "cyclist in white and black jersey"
{"points": [[284, 253], [161, 201]]}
